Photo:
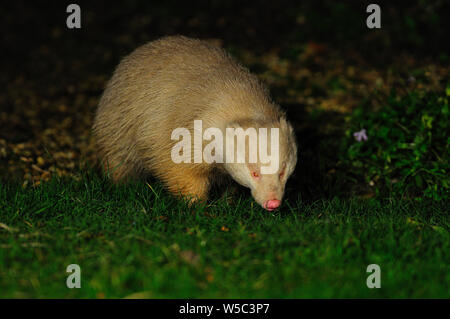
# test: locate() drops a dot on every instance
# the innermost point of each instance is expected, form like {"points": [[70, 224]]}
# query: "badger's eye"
{"points": [[255, 174]]}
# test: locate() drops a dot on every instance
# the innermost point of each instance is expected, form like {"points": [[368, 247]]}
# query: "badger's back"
{"points": [[167, 84]]}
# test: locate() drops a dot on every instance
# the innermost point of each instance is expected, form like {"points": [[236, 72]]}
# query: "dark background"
{"points": [[419, 27]]}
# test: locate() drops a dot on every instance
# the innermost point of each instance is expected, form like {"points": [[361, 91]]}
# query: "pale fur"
{"points": [[169, 83]]}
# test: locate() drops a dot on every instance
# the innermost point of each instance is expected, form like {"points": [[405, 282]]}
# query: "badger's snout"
{"points": [[272, 204]]}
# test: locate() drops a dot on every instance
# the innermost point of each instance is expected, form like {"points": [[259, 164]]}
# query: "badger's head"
{"points": [[266, 164]]}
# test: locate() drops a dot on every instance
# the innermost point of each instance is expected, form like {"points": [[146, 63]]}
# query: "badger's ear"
{"points": [[233, 124], [285, 125]]}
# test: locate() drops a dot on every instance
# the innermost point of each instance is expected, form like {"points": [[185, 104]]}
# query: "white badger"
{"points": [[169, 84]]}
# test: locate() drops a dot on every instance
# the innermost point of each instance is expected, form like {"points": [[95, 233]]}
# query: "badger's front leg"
{"points": [[188, 182]]}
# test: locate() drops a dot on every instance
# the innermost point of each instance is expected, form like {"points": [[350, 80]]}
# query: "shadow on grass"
{"points": [[318, 137]]}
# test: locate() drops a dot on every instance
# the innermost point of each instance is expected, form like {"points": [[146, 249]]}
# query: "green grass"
{"points": [[407, 151], [133, 240]]}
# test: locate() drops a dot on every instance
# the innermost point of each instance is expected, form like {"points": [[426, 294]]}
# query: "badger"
{"points": [[173, 83]]}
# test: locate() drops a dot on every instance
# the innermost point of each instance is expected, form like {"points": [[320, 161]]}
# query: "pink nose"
{"points": [[272, 204]]}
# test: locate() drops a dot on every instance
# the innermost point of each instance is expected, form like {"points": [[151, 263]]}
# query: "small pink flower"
{"points": [[360, 136]]}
